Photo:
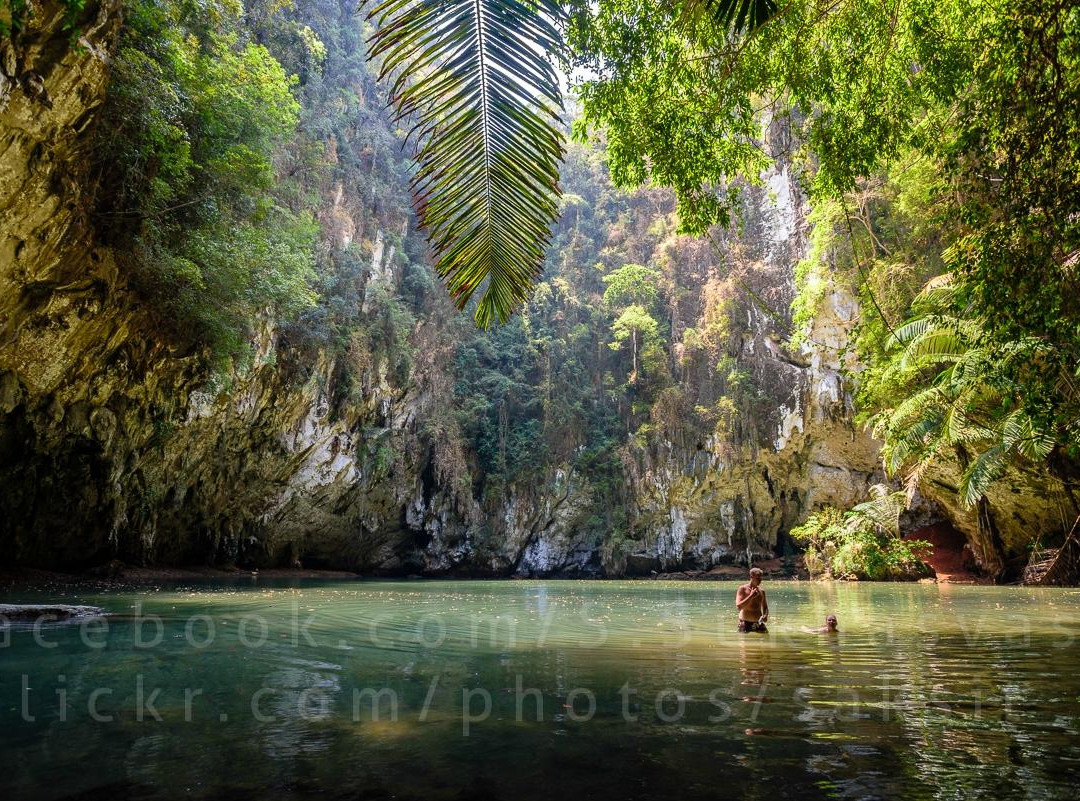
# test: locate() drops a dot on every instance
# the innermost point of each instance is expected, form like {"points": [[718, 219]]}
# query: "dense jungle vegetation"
{"points": [[938, 142], [939, 147], [221, 138]]}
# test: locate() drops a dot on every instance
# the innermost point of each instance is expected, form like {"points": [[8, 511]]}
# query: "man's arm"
{"points": [[764, 606], [745, 595]]}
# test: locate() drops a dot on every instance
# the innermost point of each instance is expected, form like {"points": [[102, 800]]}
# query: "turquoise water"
{"points": [[432, 690]]}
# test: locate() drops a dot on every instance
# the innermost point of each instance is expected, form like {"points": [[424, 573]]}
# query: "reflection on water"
{"points": [[534, 689]]}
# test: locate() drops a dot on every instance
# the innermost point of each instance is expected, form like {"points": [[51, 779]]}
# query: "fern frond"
{"points": [[959, 430], [911, 329], [918, 406], [882, 510], [913, 441], [933, 345], [913, 478]]}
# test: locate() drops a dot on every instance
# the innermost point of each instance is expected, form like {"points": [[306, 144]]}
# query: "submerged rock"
{"points": [[47, 613]]}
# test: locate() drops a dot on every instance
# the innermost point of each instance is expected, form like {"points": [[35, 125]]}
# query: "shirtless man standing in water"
{"points": [[751, 603]]}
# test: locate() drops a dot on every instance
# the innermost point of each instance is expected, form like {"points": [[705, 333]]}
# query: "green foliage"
{"points": [[634, 321], [473, 78], [636, 326], [194, 115], [549, 391], [862, 542], [1014, 163], [980, 369], [477, 81], [499, 408], [681, 105], [944, 391], [631, 284], [631, 291], [935, 137], [14, 15]]}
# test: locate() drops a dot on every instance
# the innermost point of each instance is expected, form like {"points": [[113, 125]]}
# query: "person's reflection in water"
{"points": [[753, 664], [754, 671]]}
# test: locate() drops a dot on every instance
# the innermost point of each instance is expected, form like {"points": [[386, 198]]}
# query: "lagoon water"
{"points": [[543, 689]]}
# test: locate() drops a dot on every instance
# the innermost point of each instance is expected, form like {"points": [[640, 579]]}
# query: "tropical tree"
{"points": [[638, 326], [188, 184], [631, 283]]}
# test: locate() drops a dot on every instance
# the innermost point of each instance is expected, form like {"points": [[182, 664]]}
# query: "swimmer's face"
{"points": [[830, 622]]}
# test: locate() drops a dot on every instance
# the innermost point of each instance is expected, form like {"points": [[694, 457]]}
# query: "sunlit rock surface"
{"points": [[714, 503]]}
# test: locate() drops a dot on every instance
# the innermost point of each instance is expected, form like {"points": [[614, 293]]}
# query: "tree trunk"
{"points": [[993, 551]]}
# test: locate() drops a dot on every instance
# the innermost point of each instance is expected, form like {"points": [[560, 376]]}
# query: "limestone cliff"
{"points": [[711, 502], [118, 442]]}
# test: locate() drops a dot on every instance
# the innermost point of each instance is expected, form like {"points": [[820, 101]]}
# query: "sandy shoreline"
{"points": [[117, 575], [122, 576]]}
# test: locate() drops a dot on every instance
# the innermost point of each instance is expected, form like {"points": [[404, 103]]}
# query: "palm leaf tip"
{"points": [[740, 16], [475, 79]]}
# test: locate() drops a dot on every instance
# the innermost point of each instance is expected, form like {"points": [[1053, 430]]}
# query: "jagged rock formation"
{"points": [[116, 442]]}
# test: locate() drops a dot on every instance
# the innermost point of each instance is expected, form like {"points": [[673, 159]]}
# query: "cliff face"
{"points": [[711, 501], [116, 442]]}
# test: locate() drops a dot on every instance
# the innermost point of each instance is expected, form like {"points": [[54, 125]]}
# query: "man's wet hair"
{"points": [[756, 571]]}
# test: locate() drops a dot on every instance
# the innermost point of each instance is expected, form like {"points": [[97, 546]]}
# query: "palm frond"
{"points": [[981, 473], [929, 358], [740, 15], [1019, 431], [912, 441], [882, 510], [972, 370], [911, 329], [474, 78], [922, 403], [914, 476], [960, 430], [935, 344], [945, 381]]}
